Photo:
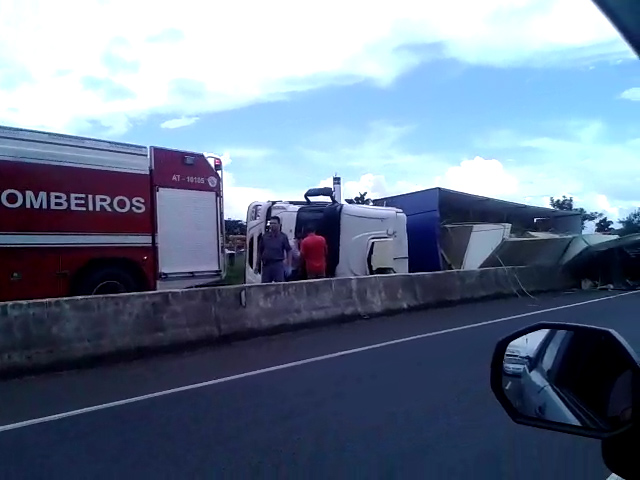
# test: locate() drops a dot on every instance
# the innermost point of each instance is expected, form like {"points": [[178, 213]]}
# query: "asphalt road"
{"points": [[420, 408]]}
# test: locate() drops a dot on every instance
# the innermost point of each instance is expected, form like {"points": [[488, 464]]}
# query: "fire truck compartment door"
{"points": [[188, 237]]}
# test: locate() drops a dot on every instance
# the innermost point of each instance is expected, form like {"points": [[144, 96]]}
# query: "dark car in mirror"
{"points": [[572, 378]]}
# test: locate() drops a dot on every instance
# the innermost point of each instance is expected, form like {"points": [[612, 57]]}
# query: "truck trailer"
{"points": [[440, 223]]}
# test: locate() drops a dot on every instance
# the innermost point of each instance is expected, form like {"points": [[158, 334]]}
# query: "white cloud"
{"points": [[245, 153], [179, 122], [379, 148], [375, 185], [238, 198], [580, 162], [113, 69], [632, 94], [603, 205], [480, 176]]}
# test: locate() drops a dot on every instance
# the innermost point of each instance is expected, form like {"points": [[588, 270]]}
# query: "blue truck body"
{"points": [[423, 227], [427, 210]]}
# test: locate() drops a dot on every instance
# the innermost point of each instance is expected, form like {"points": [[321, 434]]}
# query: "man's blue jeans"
{"points": [[273, 272]]}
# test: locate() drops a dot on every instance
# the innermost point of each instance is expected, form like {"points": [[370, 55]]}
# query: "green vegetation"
{"points": [[235, 272], [630, 224], [566, 203], [235, 227], [361, 199]]}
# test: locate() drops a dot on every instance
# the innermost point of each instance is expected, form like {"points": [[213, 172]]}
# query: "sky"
{"points": [[528, 343], [514, 99]]}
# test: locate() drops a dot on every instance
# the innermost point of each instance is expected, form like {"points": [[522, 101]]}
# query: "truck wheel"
{"points": [[106, 281]]}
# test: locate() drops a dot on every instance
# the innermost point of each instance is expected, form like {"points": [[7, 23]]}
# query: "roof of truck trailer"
{"points": [[468, 200]]}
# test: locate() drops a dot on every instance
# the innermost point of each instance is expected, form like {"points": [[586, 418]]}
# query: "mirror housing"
{"points": [[624, 16], [523, 368]]}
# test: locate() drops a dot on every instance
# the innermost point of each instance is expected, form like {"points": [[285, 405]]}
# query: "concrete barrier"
{"points": [[58, 332]]}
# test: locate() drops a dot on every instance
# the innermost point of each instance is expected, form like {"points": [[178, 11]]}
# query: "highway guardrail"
{"points": [[63, 332]]}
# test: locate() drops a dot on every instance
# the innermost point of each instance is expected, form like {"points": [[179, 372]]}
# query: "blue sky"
{"points": [[520, 99]]}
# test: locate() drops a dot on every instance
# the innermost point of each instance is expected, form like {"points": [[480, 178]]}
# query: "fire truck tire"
{"points": [[107, 280]]}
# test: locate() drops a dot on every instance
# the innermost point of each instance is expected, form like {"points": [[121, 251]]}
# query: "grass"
{"points": [[235, 272]]}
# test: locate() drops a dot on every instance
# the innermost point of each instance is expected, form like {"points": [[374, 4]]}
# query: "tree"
{"points": [[566, 204], [630, 223], [235, 227], [361, 199], [604, 225]]}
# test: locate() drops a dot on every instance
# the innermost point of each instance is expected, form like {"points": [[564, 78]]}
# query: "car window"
{"points": [[255, 213], [552, 350], [250, 253]]}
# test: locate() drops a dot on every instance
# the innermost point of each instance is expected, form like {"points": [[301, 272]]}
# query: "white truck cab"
{"points": [[361, 239]]}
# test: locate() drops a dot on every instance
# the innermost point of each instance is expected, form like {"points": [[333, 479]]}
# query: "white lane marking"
{"points": [[126, 401], [508, 385]]}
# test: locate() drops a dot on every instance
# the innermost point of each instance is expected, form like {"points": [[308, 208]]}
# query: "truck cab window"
{"points": [[250, 255], [255, 213]]}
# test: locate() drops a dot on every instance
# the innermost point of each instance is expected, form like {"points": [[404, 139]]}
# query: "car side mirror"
{"points": [[584, 380]]}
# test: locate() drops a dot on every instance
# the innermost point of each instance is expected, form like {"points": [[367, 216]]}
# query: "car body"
{"points": [[514, 363]]}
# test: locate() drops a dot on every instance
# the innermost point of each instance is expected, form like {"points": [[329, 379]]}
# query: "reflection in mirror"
{"points": [[581, 378]]}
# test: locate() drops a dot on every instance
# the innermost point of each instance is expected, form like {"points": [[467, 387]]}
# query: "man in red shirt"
{"points": [[313, 252]]}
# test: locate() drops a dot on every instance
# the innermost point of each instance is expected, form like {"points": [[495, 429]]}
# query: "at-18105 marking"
{"points": [[180, 178], [212, 181]]}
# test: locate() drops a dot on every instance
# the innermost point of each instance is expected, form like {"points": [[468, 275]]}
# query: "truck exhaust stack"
{"points": [[337, 188]]}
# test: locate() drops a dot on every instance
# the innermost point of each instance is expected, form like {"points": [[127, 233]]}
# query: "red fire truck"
{"points": [[81, 216]]}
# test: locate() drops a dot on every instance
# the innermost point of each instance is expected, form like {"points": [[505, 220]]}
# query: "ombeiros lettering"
{"points": [[78, 202]]}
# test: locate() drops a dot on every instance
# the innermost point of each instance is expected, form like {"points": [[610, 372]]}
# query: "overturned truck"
{"points": [[454, 230], [614, 264]]}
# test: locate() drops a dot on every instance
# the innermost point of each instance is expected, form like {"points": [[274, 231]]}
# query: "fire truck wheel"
{"points": [[106, 281]]}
